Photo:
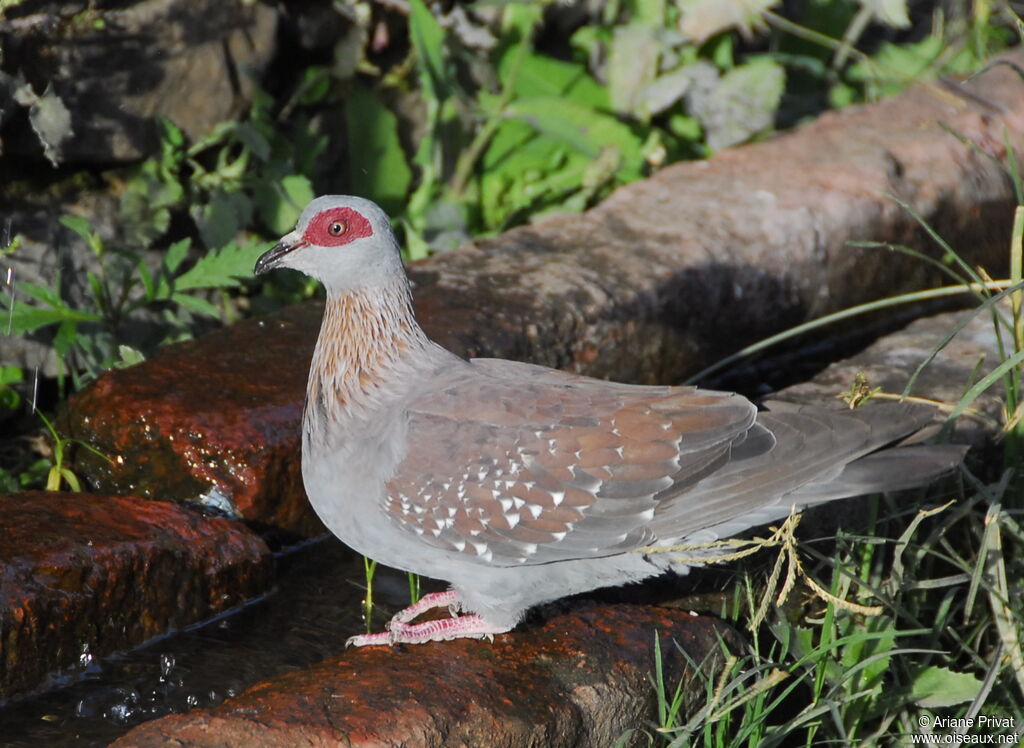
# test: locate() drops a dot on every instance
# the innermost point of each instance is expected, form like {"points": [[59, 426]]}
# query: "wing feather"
{"points": [[559, 467]]}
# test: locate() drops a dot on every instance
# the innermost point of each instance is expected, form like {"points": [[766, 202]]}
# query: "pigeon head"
{"points": [[344, 242]]}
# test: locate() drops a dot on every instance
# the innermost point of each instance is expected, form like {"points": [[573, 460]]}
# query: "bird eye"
{"points": [[337, 228]]}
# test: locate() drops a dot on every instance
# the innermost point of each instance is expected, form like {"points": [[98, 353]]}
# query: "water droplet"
{"points": [[124, 711], [166, 666]]}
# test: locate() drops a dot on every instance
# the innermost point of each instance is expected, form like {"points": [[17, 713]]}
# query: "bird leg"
{"points": [[400, 631]]}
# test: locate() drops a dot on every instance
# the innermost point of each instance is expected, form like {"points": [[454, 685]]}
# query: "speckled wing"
{"points": [[512, 464]]}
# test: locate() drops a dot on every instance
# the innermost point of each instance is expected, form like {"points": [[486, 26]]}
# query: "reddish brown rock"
{"points": [[222, 411], [580, 679], [664, 276], [81, 572]]}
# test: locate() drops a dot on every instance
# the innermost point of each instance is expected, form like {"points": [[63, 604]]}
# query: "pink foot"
{"points": [[427, 602], [400, 631]]}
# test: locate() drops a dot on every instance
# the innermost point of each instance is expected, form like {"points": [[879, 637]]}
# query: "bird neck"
{"points": [[368, 346]]}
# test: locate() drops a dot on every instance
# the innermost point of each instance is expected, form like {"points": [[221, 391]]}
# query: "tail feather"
{"points": [[892, 469]]}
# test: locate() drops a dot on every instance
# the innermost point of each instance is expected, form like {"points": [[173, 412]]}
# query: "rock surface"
{"points": [[580, 679], [652, 284], [114, 69], [219, 414], [677, 270], [89, 574]]}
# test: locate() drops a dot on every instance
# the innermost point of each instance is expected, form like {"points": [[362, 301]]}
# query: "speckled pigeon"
{"points": [[520, 484]]}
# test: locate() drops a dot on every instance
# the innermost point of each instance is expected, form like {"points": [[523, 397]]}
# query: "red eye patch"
{"points": [[337, 226]]}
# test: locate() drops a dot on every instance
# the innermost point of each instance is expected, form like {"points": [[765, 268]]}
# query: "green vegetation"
{"points": [[454, 132], [946, 642], [472, 122], [920, 631]]}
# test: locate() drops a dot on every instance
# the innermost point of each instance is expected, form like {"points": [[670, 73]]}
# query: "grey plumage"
{"points": [[521, 484]]}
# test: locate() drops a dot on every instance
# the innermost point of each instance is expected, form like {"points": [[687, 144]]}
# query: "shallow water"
{"points": [[317, 605]]}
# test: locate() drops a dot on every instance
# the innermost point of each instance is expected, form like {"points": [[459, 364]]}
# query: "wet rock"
{"points": [[215, 418], [84, 575], [113, 68], [581, 679], [663, 277]]}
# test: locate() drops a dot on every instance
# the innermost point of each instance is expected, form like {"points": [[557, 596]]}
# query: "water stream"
{"points": [[316, 606]]}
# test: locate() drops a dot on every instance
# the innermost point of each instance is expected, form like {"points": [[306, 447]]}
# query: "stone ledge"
{"points": [[579, 679], [109, 572]]}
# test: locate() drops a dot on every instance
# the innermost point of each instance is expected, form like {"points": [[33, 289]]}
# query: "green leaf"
{"points": [[377, 164], [45, 294], [196, 304], [147, 280], [585, 130], [29, 318], [145, 203], [416, 247], [71, 479], [936, 687], [9, 398], [66, 337], [176, 253], [170, 133], [254, 140], [129, 356], [280, 203], [544, 76], [223, 217], [519, 19], [427, 38], [79, 225], [221, 269], [83, 228], [10, 375], [34, 474], [514, 161], [316, 84], [870, 677], [895, 66], [100, 296]]}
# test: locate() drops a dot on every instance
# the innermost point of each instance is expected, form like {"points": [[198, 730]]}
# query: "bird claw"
{"points": [[368, 640], [443, 629]]}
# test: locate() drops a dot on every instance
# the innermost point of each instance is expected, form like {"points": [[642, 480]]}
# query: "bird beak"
{"points": [[272, 257]]}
